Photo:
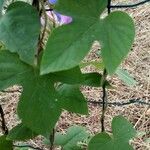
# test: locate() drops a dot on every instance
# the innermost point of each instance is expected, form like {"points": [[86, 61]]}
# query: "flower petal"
{"points": [[52, 2]]}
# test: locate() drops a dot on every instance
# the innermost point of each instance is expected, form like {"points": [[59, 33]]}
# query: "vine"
{"points": [[47, 65]]}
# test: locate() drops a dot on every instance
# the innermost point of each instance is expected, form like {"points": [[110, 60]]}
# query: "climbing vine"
{"points": [[43, 43]]}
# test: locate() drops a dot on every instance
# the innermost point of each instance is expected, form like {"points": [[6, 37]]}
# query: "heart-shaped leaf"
{"points": [[69, 141], [115, 33], [20, 29], [38, 107], [122, 130]]}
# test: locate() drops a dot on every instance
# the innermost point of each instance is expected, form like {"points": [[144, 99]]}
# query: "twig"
{"points": [[51, 138], [130, 5], [141, 117], [129, 102], [27, 146], [4, 127]]}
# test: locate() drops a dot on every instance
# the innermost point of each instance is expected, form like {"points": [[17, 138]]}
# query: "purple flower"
{"points": [[65, 19], [52, 2], [61, 19]]}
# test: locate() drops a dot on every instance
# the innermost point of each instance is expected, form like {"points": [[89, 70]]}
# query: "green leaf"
{"points": [[76, 38], [75, 76], [5, 144], [21, 133], [69, 141], [122, 130], [71, 99], [22, 148], [125, 77], [20, 29], [99, 65], [92, 79], [1, 6], [71, 76], [117, 36], [115, 33], [12, 70], [38, 107]]}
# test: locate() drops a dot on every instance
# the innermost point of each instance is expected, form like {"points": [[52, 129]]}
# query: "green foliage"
{"points": [[20, 28], [38, 106], [5, 144], [21, 133], [1, 6], [51, 80], [71, 76], [115, 33], [22, 148], [72, 99], [121, 73], [75, 76], [126, 77], [122, 132], [12, 70], [70, 140]]}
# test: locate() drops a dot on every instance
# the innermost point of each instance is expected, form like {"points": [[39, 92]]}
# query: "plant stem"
{"points": [[51, 138], [4, 127], [104, 97], [35, 3], [104, 100]]}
